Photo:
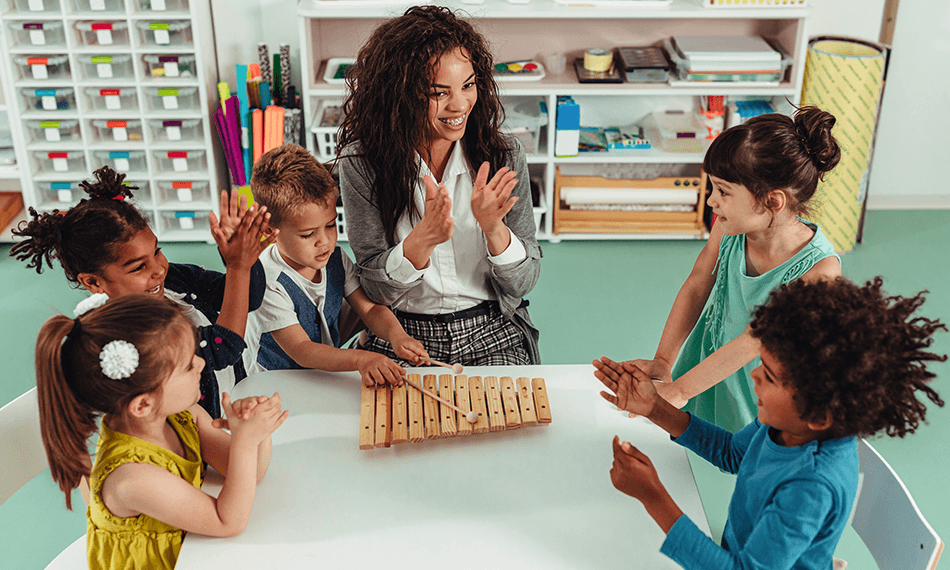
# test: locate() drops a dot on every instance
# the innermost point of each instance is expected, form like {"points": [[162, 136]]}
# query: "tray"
{"points": [[333, 65]]}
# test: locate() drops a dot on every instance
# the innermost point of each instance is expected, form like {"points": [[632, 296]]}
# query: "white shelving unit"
{"points": [[336, 29], [96, 82]]}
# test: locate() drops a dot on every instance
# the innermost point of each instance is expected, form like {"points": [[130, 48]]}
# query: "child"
{"points": [[308, 277], [105, 245], [133, 362], [449, 248], [838, 362], [763, 172]]}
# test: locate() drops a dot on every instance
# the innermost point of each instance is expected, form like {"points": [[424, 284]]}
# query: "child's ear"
{"points": [[142, 405], [823, 424], [777, 200], [90, 282]]}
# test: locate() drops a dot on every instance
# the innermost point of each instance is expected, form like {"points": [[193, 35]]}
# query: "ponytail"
{"points": [[72, 389]]}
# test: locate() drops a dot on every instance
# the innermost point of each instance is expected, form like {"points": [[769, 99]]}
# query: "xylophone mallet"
{"points": [[455, 368], [471, 417]]}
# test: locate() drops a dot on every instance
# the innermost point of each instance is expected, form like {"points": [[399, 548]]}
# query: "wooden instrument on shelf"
{"points": [[400, 414]]}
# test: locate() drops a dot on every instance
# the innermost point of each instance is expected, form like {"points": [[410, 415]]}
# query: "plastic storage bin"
{"points": [[180, 194], [162, 5], [172, 98], [176, 130], [326, 126], [64, 130], [118, 130], [122, 160], [46, 67], [117, 66], [183, 65], [188, 221], [169, 33], [180, 161], [59, 194], [112, 99], [524, 122], [684, 72], [142, 195], [679, 131], [58, 99], [46, 34], [37, 6], [94, 34], [56, 161], [98, 6]]}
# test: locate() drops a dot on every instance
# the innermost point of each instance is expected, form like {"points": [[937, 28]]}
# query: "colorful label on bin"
{"points": [[45, 92], [53, 155], [33, 26], [102, 59], [60, 185], [177, 185], [159, 26], [114, 155], [185, 214], [102, 26], [167, 92], [37, 61], [117, 124], [168, 59], [49, 124], [167, 124], [110, 92], [178, 154]]}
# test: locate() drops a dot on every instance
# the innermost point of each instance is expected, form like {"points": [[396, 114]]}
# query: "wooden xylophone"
{"points": [[400, 414]]}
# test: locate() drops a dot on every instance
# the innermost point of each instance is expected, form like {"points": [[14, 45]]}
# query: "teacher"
{"points": [[437, 200]]}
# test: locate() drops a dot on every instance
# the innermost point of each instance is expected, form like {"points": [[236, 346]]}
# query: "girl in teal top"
{"points": [[763, 174]]}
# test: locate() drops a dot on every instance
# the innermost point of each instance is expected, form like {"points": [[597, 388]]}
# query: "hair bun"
{"points": [[814, 126], [108, 185], [44, 235]]}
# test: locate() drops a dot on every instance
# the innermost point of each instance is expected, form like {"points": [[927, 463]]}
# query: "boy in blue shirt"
{"points": [[838, 362], [309, 277]]}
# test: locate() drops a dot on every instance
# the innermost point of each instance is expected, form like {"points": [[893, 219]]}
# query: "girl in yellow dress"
{"points": [[132, 361]]}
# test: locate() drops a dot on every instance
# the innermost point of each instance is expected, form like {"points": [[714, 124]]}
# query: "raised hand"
{"points": [[248, 238], [436, 224], [233, 207], [630, 389], [492, 199]]}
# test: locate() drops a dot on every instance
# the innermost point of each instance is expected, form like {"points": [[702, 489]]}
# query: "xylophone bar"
{"points": [[403, 414]]}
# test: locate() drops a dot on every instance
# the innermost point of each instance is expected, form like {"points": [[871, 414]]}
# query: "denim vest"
{"points": [[270, 355]]}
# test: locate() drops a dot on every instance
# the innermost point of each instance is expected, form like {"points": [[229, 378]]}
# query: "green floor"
{"points": [[593, 299]]}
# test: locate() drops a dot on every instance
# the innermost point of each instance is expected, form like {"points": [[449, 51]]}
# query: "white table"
{"points": [[537, 497]]}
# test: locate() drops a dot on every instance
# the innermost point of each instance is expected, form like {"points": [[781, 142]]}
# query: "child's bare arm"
{"points": [[686, 309], [374, 368], [633, 474], [215, 453], [714, 369], [384, 323]]}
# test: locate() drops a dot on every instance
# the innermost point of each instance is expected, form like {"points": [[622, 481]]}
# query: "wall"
{"points": [[909, 134]]}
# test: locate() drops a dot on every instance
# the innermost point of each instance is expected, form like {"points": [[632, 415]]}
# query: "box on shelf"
{"points": [[181, 192], [60, 161], [169, 65], [46, 67], [170, 33], [180, 161], [59, 195], [118, 66], [36, 7], [99, 6], [11, 204], [117, 130], [122, 160], [171, 222], [58, 99], [598, 205], [176, 130], [172, 98], [112, 99], [567, 127], [678, 131], [46, 34], [525, 121], [54, 131], [103, 33], [159, 6], [726, 59]]}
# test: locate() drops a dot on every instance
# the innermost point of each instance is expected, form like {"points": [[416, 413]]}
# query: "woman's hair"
{"points": [[853, 352], [287, 178], [775, 152], [86, 237], [387, 107], [73, 390]]}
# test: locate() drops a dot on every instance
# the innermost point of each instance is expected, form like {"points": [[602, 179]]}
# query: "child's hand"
{"points": [[376, 368], [253, 422], [242, 409], [492, 199], [632, 389], [633, 473], [232, 210], [410, 349], [657, 369], [247, 240]]}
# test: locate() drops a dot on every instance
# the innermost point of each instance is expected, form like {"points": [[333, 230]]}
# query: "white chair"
{"points": [[887, 519], [22, 457]]}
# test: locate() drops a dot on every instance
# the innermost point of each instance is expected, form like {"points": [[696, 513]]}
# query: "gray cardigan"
{"points": [[510, 282]]}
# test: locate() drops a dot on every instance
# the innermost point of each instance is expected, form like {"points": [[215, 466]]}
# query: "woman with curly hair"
{"points": [[839, 362], [437, 200]]}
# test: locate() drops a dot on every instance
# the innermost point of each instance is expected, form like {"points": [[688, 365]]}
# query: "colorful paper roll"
{"points": [[844, 77], [264, 61]]}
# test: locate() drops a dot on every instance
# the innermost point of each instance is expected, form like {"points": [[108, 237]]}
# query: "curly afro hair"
{"points": [[852, 351]]}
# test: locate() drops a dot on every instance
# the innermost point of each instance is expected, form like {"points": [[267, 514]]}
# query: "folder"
{"points": [[243, 110]]}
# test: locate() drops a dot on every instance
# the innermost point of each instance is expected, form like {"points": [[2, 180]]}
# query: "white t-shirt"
{"points": [[457, 277], [277, 308]]}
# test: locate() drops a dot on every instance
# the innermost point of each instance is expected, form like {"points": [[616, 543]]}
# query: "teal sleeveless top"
{"points": [[731, 403]]}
